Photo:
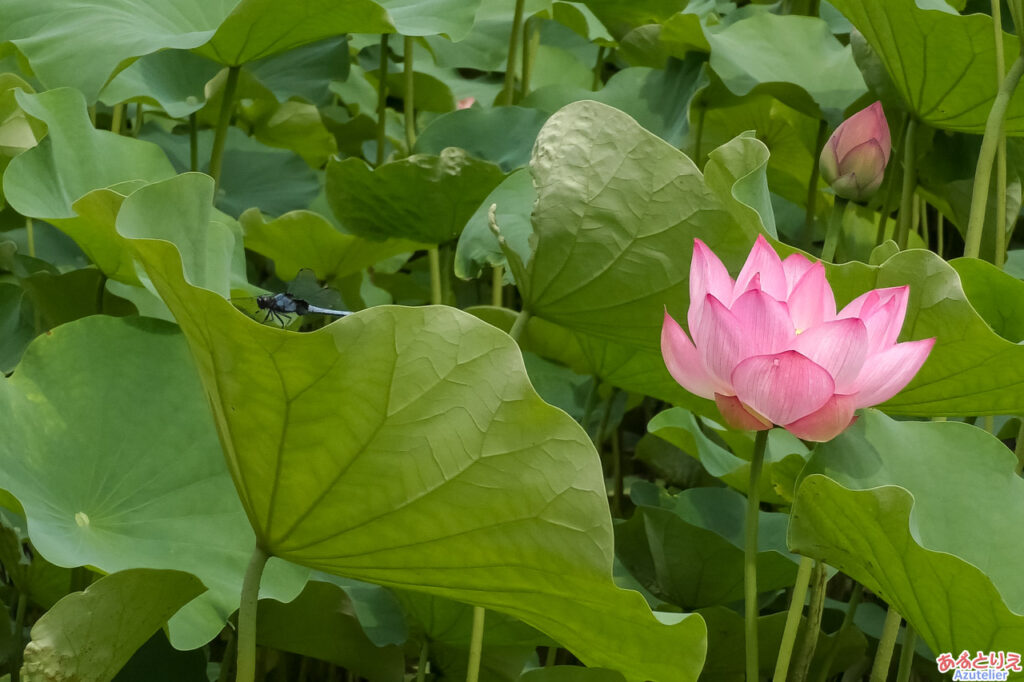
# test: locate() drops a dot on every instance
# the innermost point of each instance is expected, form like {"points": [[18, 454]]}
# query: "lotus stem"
{"points": [[750, 555], [812, 187], [906, 654], [409, 103], [835, 230], [595, 84], [116, 118], [382, 99], [513, 46], [421, 667], [138, 119], [531, 41], [520, 324], [1000, 255], [193, 143], [939, 230], [909, 183], [698, 134], [476, 645], [220, 135], [883, 655], [30, 236], [814, 613], [989, 146], [436, 294], [851, 612], [19, 641], [796, 610], [497, 285], [246, 666]]}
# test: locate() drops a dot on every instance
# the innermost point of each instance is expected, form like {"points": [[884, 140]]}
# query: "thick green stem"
{"points": [[409, 103], [193, 143], [835, 230], [513, 46], [497, 285], [382, 99], [906, 654], [246, 666], [476, 645], [30, 236], [595, 83], [883, 655], [19, 636], [618, 493], [1000, 254], [531, 42], [550, 656], [909, 183], [436, 294], [117, 118], [812, 186], [421, 667], [519, 325], [796, 610], [940, 229], [989, 145], [750, 554], [220, 135], [851, 613], [815, 609], [138, 120]]}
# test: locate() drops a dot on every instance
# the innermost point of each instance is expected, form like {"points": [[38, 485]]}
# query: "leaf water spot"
{"points": [[82, 519]]}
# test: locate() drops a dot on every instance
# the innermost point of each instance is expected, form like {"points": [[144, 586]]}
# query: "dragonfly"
{"points": [[303, 296]]}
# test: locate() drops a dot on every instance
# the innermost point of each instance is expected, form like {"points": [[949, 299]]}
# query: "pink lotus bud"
{"points": [[770, 349], [465, 103], [854, 158]]}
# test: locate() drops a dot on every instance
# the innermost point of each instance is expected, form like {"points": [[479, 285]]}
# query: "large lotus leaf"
{"points": [[616, 215], [453, 18], [688, 549], [392, 447], [620, 16], [794, 58], [80, 43], [304, 72], [74, 158], [90, 635], [942, 64], [423, 198], [17, 327], [172, 79], [304, 239], [924, 515], [377, 609], [478, 245], [43, 583], [566, 673], [139, 483], [319, 623], [296, 126], [474, 130]]}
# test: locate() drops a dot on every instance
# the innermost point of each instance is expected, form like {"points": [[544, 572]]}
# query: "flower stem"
{"points": [[193, 143], [476, 644], [989, 145], [595, 84], [421, 668], [796, 610], [1000, 254], [409, 103], [909, 183], [851, 612], [220, 135], [906, 654], [436, 295], [116, 118], [382, 99], [497, 285], [835, 229], [812, 187], [814, 612], [883, 655], [246, 667], [513, 46], [750, 555]]}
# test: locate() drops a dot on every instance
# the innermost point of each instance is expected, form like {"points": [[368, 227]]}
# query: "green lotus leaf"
{"points": [[920, 513], [99, 489], [621, 16], [90, 635], [794, 58], [304, 239], [566, 673], [429, 404], [74, 158], [80, 43], [423, 198], [478, 246], [474, 130], [942, 64], [304, 72], [172, 79], [17, 327]]}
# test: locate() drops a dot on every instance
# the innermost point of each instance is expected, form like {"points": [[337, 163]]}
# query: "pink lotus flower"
{"points": [[465, 103], [853, 160], [769, 347]]}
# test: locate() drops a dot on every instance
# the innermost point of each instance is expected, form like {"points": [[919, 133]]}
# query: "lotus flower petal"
{"points": [[886, 373], [783, 387], [765, 262], [811, 300], [854, 158], [834, 417], [684, 363], [839, 347], [795, 266], [707, 276], [738, 416]]}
